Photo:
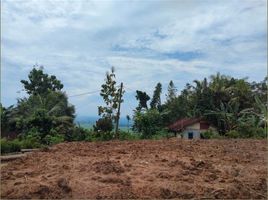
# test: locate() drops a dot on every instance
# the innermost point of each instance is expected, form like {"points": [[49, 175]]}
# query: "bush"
{"points": [[74, 134], [89, 136], [233, 134], [50, 140], [15, 145], [103, 136], [79, 134], [10, 146], [162, 134], [103, 125], [123, 135], [246, 131], [31, 140], [210, 134], [260, 133], [147, 123]]}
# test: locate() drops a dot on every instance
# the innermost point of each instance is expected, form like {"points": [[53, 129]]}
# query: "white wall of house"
{"points": [[195, 130]]}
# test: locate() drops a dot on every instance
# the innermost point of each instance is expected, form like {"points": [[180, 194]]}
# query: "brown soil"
{"points": [[232, 169]]}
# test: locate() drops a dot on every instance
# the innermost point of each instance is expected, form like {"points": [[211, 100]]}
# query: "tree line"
{"points": [[237, 107]]}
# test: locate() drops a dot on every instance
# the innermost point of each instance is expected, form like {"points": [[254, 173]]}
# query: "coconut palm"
{"points": [[43, 112]]}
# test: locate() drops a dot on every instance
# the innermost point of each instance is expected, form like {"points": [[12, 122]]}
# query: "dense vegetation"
{"points": [[235, 106]]}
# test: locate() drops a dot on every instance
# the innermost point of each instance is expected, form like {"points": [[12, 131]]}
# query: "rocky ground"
{"points": [[171, 168]]}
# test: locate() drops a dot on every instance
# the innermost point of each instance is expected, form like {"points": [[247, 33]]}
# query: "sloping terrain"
{"points": [[171, 168]]}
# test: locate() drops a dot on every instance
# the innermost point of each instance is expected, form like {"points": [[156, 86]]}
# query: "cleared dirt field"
{"points": [[141, 169]]}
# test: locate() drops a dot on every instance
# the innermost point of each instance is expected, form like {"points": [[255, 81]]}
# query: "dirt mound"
{"points": [[173, 168], [107, 167]]}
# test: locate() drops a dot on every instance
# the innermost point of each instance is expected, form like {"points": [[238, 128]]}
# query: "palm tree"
{"points": [[6, 117], [227, 115], [44, 113], [259, 112], [220, 87]]}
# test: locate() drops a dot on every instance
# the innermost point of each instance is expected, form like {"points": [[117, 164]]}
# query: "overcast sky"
{"points": [[146, 41]]}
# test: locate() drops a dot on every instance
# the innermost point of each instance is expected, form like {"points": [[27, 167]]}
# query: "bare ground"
{"points": [[174, 168]]}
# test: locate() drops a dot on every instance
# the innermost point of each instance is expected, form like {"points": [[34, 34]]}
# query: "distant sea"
{"points": [[89, 121]]}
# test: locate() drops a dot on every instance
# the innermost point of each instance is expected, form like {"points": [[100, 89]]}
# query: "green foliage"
{"points": [[111, 95], [249, 131], [233, 134], [102, 136], [123, 135], [225, 101], [6, 119], [55, 139], [8, 146], [31, 140], [89, 136], [128, 119], [142, 97], [79, 133], [41, 83], [210, 134], [171, 95], [162, 134], [156, 100], [45, 111], [45, 114], [147, 123], [103, 125], [260, 133]]}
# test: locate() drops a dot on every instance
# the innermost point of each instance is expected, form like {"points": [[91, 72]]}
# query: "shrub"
{"points": [[55, 139], [103, 136], [210, 134], [31, 140], [147, 123], [103, 125], [5, 147], [91, 136], [247, 131], [162, 134], [233, 134], [15, 145], [79, 134], [123, 135], [260, 133], [10, 146]]}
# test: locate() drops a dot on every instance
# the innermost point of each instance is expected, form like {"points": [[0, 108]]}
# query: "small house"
{"points": [[190, 128]]}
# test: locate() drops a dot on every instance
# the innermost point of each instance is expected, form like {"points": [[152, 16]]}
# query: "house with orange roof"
{"points": [[191, 128]]}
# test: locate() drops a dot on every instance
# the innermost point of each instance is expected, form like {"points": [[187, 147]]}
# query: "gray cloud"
{"points": [[147, 42]]}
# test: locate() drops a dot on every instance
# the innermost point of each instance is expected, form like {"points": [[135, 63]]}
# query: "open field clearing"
{"points": [[141, 169]]}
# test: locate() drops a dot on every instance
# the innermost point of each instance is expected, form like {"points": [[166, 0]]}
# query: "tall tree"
{"points": [[40, 83], [6, 115], [142, 97], [171, 95], [156, 100], [46, 111], [111, 95]]}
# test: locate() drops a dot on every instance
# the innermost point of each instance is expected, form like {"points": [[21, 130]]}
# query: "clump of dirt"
{"points": [[107, 167], [64, 185], [115, 180], [173, 168]]}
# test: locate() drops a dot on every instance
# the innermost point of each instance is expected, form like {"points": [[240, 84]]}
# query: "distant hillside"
{"points": [[89, 121]]}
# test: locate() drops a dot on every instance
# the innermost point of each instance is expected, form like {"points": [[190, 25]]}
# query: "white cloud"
{"points": [[77, 40]]}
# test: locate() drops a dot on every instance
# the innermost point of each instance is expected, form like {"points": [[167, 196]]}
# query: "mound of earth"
{"points": [[172, 168]]}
